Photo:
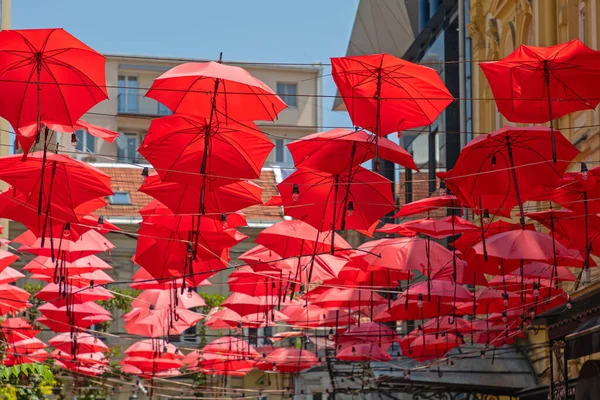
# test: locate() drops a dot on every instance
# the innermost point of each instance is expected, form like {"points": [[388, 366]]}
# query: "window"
{"points": [[582, 21], [86, 143], [283, 157], [162, 109], [120, 199], [128, 94], [287, 92], [127, 145]]}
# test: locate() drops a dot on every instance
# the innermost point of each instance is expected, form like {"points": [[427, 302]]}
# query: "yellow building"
{"points": [[498, 27]]}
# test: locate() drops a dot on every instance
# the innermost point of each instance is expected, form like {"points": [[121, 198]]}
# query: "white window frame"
{"points": [[125, 90], [288, 161], [129, 158], [85, 151], [286, 95]]}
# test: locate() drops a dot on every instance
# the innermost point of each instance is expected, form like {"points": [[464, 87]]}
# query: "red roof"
{"points": [[124, 179]]}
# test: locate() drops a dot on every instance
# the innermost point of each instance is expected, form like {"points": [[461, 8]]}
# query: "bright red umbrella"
{"points": [[152, 365], [63, 318], [81, 280], [463, 274], [91, 242], [158, 299], [48, 76], [17, 327], [216, 90], [157, 323], [427, 204], [64, 326], [12, 299], [386, 94], [369, 332], [348, 298], [443, 325], [295, 238], [349, 148], [444, 290], [186, 199], [10, 275], [143, 280], [6, 259], [363, 352], [313, 316], [545, 271], [538, 84], [80, 342], [45, 265], [230, 346], [78, 181], [353, 199], [287, 360], [181, 147], [439, 228], [154, 348], [511, 162], [244, 304], [66, 294], [488, 229], [425, 347], [411, 310]]}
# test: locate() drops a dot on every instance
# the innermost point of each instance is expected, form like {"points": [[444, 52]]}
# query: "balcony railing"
{"points": [[133, 103]]}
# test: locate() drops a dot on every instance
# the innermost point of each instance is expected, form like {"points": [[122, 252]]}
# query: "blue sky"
{"points": [[244, 30]]}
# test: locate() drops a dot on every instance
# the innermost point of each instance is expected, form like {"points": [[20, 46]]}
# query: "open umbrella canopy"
{"points": [[63, 318], [17, 327], [154, 348], [158, 299], [90, 243], [510, 161], [177, 145], [10, 275], [211, 88], [297, 238], [62, 171], [537, 84], [386, 94], [362, 352], [79, 341], [158, 323], [230, 346], [423, 347], [438, 228], [353, 199], [67, 294], [186, 198], [286, 360], [143, 280], [51, 72], [349, 148], [426, 205]]}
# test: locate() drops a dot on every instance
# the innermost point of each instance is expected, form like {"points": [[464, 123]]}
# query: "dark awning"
{"points": [[584, 340]]}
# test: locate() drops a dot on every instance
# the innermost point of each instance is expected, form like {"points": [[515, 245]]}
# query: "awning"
{"points": [[584, 340]]}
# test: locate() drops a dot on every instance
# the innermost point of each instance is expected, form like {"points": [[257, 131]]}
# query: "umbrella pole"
{"points": [[377, 122], [428, 269], [481, 212], [43, 170], [554, 262], [586, 265], [335, 194], [514, 177], [547, 79], [347, 195]]}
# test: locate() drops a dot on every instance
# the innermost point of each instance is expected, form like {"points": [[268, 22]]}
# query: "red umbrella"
{"points": [[349, 148], [17, 327], [230, 346], [410, 310], [426, 205], [182, 146], [441, 228], [353, 199], [80, 342], [470, 239], [157, 323], [12, 299], [228, 319], [10, 275], [24, 176], [154, 348], [216, 90], [91, 242], [261, 259], [295, 238], [386, 94], [362, 352], [539, 84], [443, 325], [152, 365], [545, 271], [348, 298], [158, 299], [45, 265], [143, 280], [64, 318], [287, 360], [425, 347], [527, 245], [406, 254], [6, 259], [88, 359], [80, 280], [68, 295], [48, 76], [444, 290], [313, 316], [508, 159], [369, 332], [186, 199], [463, 274], [244, 304]]}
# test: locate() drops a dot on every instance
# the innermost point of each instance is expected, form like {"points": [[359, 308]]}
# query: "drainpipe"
{"points": [[423, 14]]}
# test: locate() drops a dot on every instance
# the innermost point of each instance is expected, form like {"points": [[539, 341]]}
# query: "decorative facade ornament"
{"points": [[493, 36]]}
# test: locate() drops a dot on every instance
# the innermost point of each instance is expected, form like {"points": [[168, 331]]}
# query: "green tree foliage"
{"points": [[29, 381]]}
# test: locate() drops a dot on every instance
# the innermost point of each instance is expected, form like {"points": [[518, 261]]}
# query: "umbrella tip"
{"points": [[220, 57]]}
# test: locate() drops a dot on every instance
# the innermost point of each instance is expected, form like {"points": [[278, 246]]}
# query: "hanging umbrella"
{"points": [[349, 298], [463, 274], [369, 332], [19, 326], [64, 318], [470, 239], [157, 323], [12, 299], [313, 316], [65, 294], [427, 204], [80, 280], [353, 199], [90, 243], [45, 265], [158, 299], [152, 365], [143, 280], [80, 341], [544, 271], [424, 347], [230, 346], [10, 275], [287, 360], [363, 352], [411, 310], [26, 176], [442, 325], [48, 76], [386, 94], [6, 259], [186, 199], [154, 348], [297, 238], [511, 161], [349, 148], [244, 304], [539, 84], [436, 228], [181, 147], [215, 91], [65, 326]]}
